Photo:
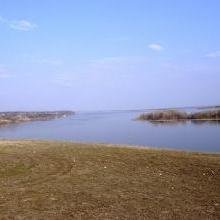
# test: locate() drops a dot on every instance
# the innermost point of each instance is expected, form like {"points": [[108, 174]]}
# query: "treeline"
{"points": [[175, 115]]}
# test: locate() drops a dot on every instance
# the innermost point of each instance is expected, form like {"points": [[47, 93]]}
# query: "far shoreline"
{"points": [[16, 117], [175, 115]]}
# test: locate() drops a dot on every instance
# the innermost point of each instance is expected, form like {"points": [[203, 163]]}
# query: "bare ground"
{"points": [[61, 180]]}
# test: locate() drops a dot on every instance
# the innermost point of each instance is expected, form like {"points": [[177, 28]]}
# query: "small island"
{"points": [[178, 116], [18, 117]]}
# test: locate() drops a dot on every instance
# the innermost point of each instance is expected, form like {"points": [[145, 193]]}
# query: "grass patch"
{"points": [[61, 180], [16, 169]]}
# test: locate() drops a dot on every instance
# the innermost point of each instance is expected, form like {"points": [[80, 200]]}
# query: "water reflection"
{"points": [[210, 122], [168, 122], [176, 122]]}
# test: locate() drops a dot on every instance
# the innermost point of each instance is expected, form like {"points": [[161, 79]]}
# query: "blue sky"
{"points": [[115, 54]]}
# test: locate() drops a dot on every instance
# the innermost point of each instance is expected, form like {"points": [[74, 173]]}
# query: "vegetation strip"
{"points": [[18, 117], [174, 115]]}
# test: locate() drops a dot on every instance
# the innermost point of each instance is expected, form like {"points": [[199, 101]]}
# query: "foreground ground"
{"points": [[59, 180]]}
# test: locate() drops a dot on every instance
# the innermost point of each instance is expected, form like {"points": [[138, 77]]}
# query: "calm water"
{"points": [[120, 128]]}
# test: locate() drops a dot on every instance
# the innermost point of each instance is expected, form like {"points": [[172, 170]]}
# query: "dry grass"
{"points": [[60, 180]]}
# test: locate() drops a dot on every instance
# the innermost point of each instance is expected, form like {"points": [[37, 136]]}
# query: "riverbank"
{"points": [[18, 117], [64, 180]]}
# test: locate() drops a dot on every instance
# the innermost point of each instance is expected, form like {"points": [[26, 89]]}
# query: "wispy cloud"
{"points": [[63, 82], [52, 62], [213, 54], [155, 47], [4, 74], [118, 39], [103, 70], [21, 25], [117, 61]]}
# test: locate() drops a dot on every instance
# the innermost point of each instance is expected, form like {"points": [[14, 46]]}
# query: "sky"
{"points": [[109, 54]]}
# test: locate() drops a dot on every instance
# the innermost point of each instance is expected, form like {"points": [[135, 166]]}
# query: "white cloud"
{"points": [[213, 54], [21, 25], [156, 47]]}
